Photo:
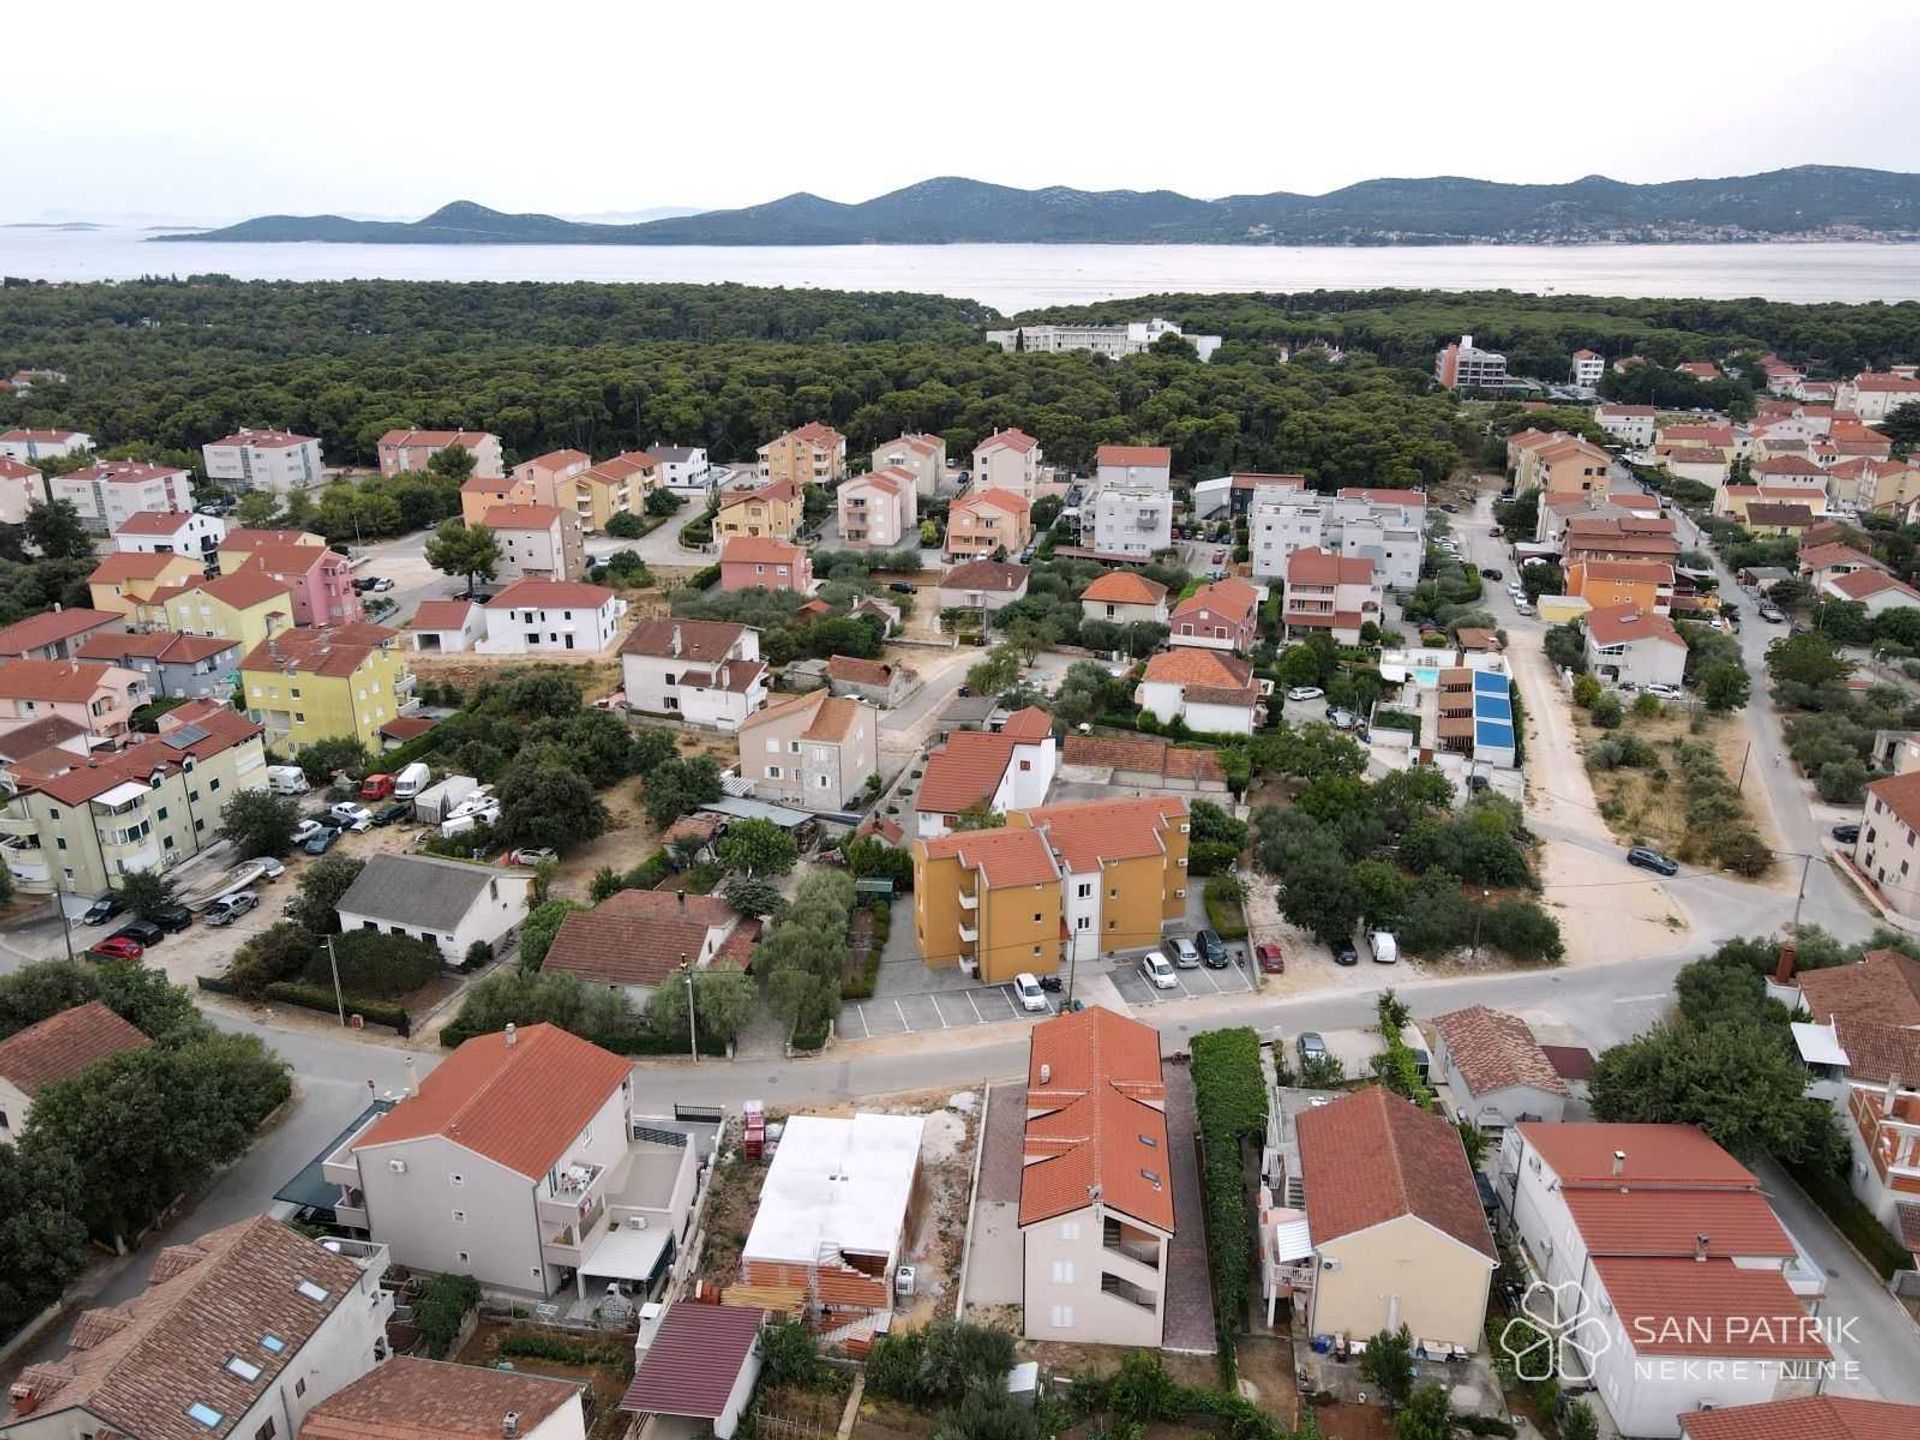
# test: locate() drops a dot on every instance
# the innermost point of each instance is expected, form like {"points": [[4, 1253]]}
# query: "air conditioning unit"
{"points": [[398, 1167], [636, 1222]]}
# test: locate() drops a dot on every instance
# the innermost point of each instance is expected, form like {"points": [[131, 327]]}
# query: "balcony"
{"points": [[569, 1244], [968, 934], [969, 901], [579, 1189], [1131, 1293], [1131, 1244], [350, 1209]]}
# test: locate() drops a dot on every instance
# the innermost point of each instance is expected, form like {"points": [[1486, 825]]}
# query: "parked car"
{"points": [[1186, 954], [1158, 973], [387, 814], [532, 855], [1310, 1046], [363, 583], [1212, 949], [1846, 834], [102, 910], [1490, 573], [1305, 692], [1648, 858], [1219, 557], [270, 868], [1450, 509], [383, 583], [1495, 533], [172, 918], [1664, 691], [1341, 719], [350, 816], [900, 587], [1772, 615], [306, 830], [321, 841], [1522, 607], [142, 932], [229, 908], [1026, 989], [118, 947], [1268, 956], [1345, 954]]}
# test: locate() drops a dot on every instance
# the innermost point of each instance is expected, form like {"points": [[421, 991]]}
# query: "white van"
{"points": [[1383, 947], [287, 780], [411, 781]]}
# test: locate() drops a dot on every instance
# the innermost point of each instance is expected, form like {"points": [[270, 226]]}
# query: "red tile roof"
{"points": [[1001, 576], [434, 439], [264, 439], [1810, 1417], [1826, 556], [1125, 587], [828, 717], [1493, 1050], [408, 727], [520, 517], [1009, 856], [704, 642], [1900, 794], [1371, 1157], [964, 771], [62, 1045], [242, 539], [1883, 985], [1681, 1306], [1671, 1155], [1314, 566], [694, 1362], [73, 780], [37, 631], [442, 614], [1140, 753], [242, 590], [1159, 455], [1664, 1220], [759, 550], [1028, 724], [332, 651], [856, 671], [1862, 584], [1193, 666], [154, 522], [160, 645], [1015, 440], [520, 1104], [1625, 624], [557, 460], [1088, 833], [620, 467], [533, 593], [413, 1399], [123, 565], [52, 680], [637, 937], [125, 472], [993, 498]]}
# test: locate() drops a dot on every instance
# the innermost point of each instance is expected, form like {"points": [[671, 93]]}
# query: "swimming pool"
{"points": [[1428, 676]]}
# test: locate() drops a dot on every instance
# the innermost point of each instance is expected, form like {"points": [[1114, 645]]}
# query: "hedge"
{"points": [[1853, 1220], [704, 579], [621, 1042], [1230, 1100], [1226, 914], [565, 1352], [418, 748], [315, 997]]}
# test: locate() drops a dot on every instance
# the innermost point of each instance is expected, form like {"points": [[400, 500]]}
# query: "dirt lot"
{"points": [[630, 836], [598, 675], [608, 1382]]}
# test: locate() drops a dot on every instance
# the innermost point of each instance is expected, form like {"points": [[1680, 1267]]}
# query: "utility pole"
{"points": [[693, 1034], [339, 1000], [1479, 910], [1806, 863], [1745, 756]]}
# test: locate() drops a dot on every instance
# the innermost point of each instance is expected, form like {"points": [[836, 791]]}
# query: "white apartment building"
{"points": [[1130, 510], [878, 511], [272, 460], [707, 672], [26, 446], [1873, 395], [1465, 366], [686, 471], [922, 456], [531, 616], [21, 488], [110, 492], [1629, 424], [172, 532], [1007, 460], [1387, 527], [1113, 341], [1587, 368]]}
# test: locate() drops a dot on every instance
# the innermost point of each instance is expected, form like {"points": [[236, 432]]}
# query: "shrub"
{"points": [[1586, 690], [1230, 1098], [479, 955], [440, 1307], [322, 999], [1607, 712], [277, 953], [371, 964]]}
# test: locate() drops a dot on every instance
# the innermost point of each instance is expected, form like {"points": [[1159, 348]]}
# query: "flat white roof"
{"points": [[836, 1185], [1818, 1044]]}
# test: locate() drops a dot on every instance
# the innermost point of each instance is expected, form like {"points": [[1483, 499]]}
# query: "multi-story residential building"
{"points": [[26, 446], [409, 1398], [100, 698], [514, 1162], [110, 492], [532, 616], [1055, 883], [321, 684], [922, 456], [1115, 341], [402, 451], [1631, 425], [1130, 509], [1815, 1417], [1878, 591], [247, 607], [1495, 1069], [685, 470], [1823, 562], [1211, 692], [983, 585], [237, 545], [319, 580], [989, 522], [1222, 616], [55, 1049], [1465, 366], [1863, 483], [1644, 584], [815, 751], [1330, 594], [126, 580], [747, 563], [878, 511], [539, 542], [1619, 537], [1666, 1249], [56, 634], [1395, 1222], [814, 454], [273, 460], [174, 532], [1097, 1213], [1887, 851], [995, 771], [548, 475], [635, 941], [1792, 471], [21, 488], [1126, 598], [1007, 460], [707, 672], [1566, 465], [1631, 645], [176, 667], [1387, 527], [482, 493], [80, 824], [450, 904], [1874, 395], [617, 486], [1695, 435], [240, 1333], [777, 510], [1587, 368], [879, 682]]}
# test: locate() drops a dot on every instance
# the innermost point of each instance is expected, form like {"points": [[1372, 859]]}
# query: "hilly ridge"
{"points": [[1811, 201]]}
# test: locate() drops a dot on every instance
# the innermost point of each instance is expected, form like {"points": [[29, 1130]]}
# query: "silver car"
{"points": [[1186, 955]]}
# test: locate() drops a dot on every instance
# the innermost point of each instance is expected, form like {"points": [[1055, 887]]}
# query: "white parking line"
{"points": [[937, 1011], [866, 1030], [903, 1017], [978, 1018]]}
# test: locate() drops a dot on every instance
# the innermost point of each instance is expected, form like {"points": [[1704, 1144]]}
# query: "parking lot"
{"points": [[952, 1009], [1191, 984]]}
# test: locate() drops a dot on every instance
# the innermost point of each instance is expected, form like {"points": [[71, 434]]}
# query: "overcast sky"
{"points": [[218, 109]]}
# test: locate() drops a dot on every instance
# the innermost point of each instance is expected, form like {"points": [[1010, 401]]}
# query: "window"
{"points": [[1086, 889], [245, 1369], [1063, 1272], [773, 772], [1036, 917], [299, 1387], [272, 1343], [459, 1217], [313, 1292], [1061, 1317], [461, 1257], [265, 1432], [202, 1413]]}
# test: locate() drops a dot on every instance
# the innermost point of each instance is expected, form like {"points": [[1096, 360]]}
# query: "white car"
{"points": [[1521, 607], [1305, 692], [353, 817], [306, 830], [270, 868], [1665, 692], [1186, 954], [530, 855], [1026, 989], [1158, 973]]}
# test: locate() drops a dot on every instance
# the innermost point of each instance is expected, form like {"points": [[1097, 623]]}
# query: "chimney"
{"points": [[513, 1036], [674, 648], [683, 901], [1619, 1163], [1046, 1073], [1700, 1247], [413, 1080], [510, 1425], [1892, 1096], [1783, 971]]}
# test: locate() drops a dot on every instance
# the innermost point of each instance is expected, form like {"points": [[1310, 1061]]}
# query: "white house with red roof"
{"points": [[447, 627], [21, 488], [1006, 769], [1096, 1189], [532, 616], [1222, 616], [1125, 597], [1129, 511], [26, 446], [878, 510], [706, 672], [1330, 594], [1629, 424], [1678, 1284], [1007, 460], [1875, 589], [922, 456], [1210, 691], [1631, 644], [110, 492], [277, 461], [1587, 368], [1875, 394], [537, 541], [172, 532]]}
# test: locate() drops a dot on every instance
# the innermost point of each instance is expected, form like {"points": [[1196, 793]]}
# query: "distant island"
{"points": [[1810, 202]]}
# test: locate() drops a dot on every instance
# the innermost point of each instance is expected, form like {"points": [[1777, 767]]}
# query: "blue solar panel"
{"points": [[1492, 707], [1486, 682], [1492, 732]]}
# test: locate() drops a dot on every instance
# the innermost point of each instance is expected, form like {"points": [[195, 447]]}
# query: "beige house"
{"points": [[57, 1048], [1888, 850], [815, 454], [1126, 598], [775, 510], [1395, 1221], [617, 486], [541, 542], [100, 698], [878, 511], [1096, 1189], [402, 451], [635, 941], [1007, 460], [1495, 1069], [922, 456], [813, 751], [984, 521]]}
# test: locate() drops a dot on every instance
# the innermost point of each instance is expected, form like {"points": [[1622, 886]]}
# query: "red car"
{"points": [[1272, 962], [118, 947], [1496, 532]]}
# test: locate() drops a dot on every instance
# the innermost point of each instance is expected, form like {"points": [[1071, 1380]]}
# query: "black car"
{"points": [[1492, 574], [141, 932], [900, 587], [1649, 859], [1846, 834], [102, 910], [1345, 954], [387, 814], [1213, 949], [172, 918]]}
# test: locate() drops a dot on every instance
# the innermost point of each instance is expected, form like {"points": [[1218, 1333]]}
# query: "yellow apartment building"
{"points": [[122, 581], [775, 510], [815, 454], [245, 608], [308, 685]]}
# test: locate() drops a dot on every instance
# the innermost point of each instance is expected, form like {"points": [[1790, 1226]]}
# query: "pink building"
{"points": [[1336, 594], [320, 581], [21, 486], [405, 450], [1220, 616], [759, 562], [544, 472], [879, 511], [99, 698]]}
